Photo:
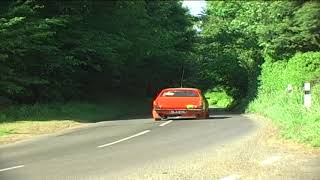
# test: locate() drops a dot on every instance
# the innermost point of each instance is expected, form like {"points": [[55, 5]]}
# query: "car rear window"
{"points": [[180, 93]]}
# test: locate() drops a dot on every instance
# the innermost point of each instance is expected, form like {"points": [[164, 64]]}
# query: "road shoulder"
{"points": [[258, 155]]}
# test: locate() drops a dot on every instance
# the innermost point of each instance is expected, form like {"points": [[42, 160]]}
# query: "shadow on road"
{"points": [[207, 119], [219, 117], [215, 114], [221, 111]]}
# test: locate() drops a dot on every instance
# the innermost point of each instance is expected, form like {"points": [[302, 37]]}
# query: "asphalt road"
{"points": [[144, 149], [116, 148]]}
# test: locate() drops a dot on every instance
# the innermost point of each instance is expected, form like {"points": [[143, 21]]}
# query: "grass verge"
{"points": [[23, 121], [285, 108], [295, 121]]}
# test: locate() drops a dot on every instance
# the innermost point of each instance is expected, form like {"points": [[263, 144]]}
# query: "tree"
{"points": [[63, 50]]}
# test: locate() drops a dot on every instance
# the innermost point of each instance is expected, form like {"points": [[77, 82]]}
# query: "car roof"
{"points": [[171, 89]]}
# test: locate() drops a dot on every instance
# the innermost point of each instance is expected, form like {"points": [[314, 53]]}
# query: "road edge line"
{"points": [[165, 123], [10, 168], [124, 139]]}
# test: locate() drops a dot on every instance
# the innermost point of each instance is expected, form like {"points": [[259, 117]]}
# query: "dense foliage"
{"points": [[254, 49], [286, 108], [239, 36], [62, 50], [218, 98]]}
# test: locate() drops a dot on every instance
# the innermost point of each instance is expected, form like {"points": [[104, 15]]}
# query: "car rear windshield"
{"points": [[180, 93]]}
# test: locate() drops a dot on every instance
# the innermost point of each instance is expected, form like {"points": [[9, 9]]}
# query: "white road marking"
{"points": [[124, 139], [165, 123], [10, 168], [270, 160], [231, 177]]}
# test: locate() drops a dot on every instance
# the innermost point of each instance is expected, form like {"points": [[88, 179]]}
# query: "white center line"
{"points": [[124, 139], [10, 168], [165, 123], [271, 160], [231, 177]]}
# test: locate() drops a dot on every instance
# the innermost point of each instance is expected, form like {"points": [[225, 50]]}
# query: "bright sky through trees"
{"points": [[195, 7]]}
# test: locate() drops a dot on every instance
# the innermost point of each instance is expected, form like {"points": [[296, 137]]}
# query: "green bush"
{"points": [[218, 98], [287, 109]]}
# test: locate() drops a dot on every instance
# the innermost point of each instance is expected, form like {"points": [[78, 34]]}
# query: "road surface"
{"points": [[132, 149]]}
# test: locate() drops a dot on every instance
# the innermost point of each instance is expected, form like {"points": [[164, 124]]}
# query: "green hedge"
{"points": [[287, 109], [219, 98]]}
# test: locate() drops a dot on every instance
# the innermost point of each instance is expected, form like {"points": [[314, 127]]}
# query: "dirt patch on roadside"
{"points": [[272, 157], [23, 130], [271, 134]]}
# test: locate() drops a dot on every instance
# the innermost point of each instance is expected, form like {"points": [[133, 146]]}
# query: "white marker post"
{"points": [[289, 88], [307, 95]]}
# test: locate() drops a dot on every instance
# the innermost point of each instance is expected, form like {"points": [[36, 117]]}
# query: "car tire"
{"points": [[155, 116], [201, 116], [207, 116]]}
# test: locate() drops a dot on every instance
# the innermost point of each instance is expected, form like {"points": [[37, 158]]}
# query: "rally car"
{"points": [[174, 103]]}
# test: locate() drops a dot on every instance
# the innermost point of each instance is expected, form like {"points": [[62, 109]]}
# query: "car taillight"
{"points": [[198, 106], [155, 105], [194, 106]]}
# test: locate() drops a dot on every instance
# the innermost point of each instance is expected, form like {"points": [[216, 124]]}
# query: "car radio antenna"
{"points": [[182, 74]]}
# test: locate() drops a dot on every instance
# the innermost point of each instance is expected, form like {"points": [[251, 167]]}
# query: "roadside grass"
{"points": [[22, 121], [295, 121], [6, 131], [287, 109], [218, 98]]}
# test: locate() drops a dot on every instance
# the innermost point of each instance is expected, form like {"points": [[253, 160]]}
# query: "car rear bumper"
{"points": [[180, 113]]}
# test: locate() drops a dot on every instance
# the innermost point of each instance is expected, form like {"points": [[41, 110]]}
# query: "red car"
{"points": [[180, 103]]}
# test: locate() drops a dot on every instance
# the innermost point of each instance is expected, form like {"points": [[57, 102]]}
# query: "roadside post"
{"points": [[307, 95], [289, 88]]}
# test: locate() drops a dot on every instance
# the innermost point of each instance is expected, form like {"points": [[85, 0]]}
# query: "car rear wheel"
{"points": [[155, 116], [207, 115], [203, 115]]}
